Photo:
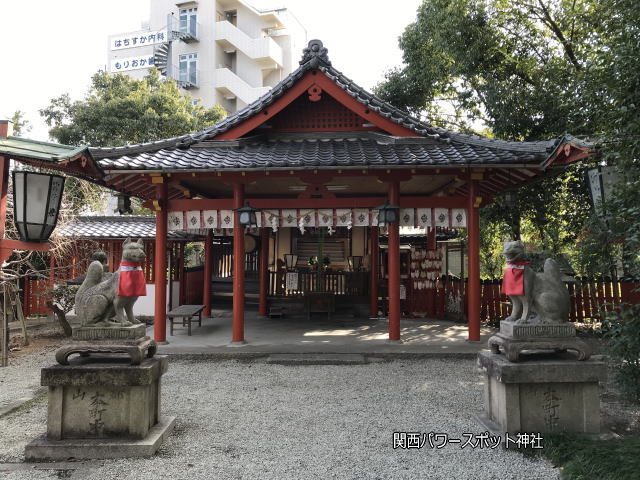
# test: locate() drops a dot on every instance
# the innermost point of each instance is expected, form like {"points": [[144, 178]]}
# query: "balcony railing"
{"points": [[187, 33], [262, 49], [187, 79], [231, 85]]}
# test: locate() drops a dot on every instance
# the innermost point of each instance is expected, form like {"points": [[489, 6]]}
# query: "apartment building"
{"points": [[221, 51]]}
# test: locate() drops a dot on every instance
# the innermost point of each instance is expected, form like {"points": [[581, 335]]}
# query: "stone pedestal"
{"points": [[131, 340], [102, 410], [516, 338], [541, 396]]}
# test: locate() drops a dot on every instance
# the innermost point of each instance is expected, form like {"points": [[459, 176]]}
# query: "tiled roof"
{"points": [[37, 150], [359, 150], [315, 56], [113, 227]]}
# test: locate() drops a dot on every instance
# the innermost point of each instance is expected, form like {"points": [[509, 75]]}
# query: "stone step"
{"points": [[316, 359]]}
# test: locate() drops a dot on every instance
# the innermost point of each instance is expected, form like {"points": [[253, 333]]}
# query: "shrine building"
{"points": [[317, 156]]}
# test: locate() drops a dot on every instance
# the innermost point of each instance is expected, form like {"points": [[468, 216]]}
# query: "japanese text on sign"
{"points": [[131, 63], [138, 39], [418, 440]]}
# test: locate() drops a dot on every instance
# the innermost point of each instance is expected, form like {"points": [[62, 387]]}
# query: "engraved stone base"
{"points": [[129, 340], [516, 338], [42, 449], [132, 332], [136, 349], [544, 395], [97, 404]]}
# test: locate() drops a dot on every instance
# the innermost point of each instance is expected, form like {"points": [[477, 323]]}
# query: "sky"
{"points": [[64, 42]]}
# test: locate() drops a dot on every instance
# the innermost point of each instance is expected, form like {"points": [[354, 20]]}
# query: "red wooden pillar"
{"points": [[473, 258], [182, 296], [374, 256], [264, 271], [237, 324], [394, 266], [206, 291], [160, 265]]}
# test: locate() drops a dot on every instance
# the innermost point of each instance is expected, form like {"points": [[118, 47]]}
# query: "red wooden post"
{"points": [[473, 258], [206, 290], [394, 266], [237, 324], [160, 265], [183, 280], [264, 271], [373, 267]]}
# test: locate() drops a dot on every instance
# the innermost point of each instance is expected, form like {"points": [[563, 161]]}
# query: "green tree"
{"points": [[520, 69], [20, 124], [119, 110]]}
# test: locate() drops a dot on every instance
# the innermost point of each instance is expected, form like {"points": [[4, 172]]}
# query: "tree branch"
{"points": [[568, 47]]}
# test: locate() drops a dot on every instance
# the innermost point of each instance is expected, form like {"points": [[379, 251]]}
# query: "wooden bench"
{"points": [[186, 312]]}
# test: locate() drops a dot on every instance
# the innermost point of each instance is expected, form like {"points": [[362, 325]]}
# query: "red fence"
{"points": [[588, 297], [34, 301]]}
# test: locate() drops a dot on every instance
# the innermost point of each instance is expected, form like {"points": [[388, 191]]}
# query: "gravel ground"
{"points": [[256, 420], [22, 377]]}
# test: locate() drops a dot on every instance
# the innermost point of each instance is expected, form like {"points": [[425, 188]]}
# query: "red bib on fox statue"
{"points": [[131, 282], [513, 279]]}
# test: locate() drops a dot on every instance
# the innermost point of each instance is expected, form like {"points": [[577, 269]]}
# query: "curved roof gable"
{"points": [[384, 115]]}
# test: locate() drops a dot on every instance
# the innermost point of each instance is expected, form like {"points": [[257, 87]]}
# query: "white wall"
{"points": [[210, 54]]}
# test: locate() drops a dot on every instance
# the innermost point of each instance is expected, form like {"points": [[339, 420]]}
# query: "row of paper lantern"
{"points": [[328, 217]]}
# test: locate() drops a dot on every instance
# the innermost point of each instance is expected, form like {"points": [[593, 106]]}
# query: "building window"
{"points": [[188, 21], [189, 69]]}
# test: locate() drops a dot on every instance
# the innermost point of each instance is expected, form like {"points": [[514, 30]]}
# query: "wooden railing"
{"points": [[338, 283]]}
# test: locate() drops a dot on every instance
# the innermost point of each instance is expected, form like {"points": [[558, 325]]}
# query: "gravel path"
{"points": [[22, 377], [255, 420]]}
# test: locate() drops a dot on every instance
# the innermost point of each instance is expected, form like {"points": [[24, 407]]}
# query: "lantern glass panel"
{"points": [[290, 260], [18, 207], [57, 185], [36, 192], [37, 199]]}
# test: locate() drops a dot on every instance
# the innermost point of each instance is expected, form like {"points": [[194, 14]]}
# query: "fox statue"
{"points": [[535, 297], [107, 300]]}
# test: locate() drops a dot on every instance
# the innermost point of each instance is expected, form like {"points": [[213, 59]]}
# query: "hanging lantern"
{"points": [[387, 213], [124, 204], [36, 204], [290, 260], [248, 216], [602, 181], [510, 199]]}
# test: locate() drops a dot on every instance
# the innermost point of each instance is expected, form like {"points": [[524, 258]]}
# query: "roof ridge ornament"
{"points": [[315, 53]]}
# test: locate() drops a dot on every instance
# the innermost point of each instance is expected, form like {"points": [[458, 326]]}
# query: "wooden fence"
{"points": [[588, 297], [338, 283]]}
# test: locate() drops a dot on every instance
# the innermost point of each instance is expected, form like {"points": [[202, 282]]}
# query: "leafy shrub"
{"points": [[622, 330]]}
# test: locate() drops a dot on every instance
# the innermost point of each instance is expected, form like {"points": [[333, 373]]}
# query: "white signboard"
{"points": [[131, 63], [291, 283], [138, 39]]}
